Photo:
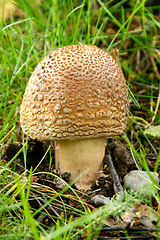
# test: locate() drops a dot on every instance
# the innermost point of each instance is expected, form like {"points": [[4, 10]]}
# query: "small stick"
{"points": [[128, 228], [116, 182]]}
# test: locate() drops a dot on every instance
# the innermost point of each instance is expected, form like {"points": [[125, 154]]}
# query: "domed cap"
{"points": [[76, 91]]}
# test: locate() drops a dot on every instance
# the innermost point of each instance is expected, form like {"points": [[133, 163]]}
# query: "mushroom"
{"points": [[76, 96]]}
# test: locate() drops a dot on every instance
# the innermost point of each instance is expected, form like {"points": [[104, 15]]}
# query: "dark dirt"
{"points": [[120, 155], [123, 163]]}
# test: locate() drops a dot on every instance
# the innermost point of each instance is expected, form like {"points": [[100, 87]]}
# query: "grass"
{"points": [[130, 26]]}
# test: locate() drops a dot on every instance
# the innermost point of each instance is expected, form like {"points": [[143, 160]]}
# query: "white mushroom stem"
{"points": [[80, 156]]}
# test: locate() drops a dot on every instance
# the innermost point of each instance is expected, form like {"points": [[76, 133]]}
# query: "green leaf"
{"points": [[153, 131]]}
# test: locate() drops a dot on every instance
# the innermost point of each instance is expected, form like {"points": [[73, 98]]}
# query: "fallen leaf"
{"points": [[153, 131]]}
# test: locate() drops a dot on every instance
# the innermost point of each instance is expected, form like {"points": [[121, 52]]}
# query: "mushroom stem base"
{"points": [[82, 158]]}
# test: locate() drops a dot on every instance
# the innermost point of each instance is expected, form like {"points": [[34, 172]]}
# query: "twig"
{"points": [[116, 182], [146, 86], [146, 236], [129, 229]]}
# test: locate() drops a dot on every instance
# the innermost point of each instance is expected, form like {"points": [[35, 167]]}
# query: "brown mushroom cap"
{"points": [[75, 92]]}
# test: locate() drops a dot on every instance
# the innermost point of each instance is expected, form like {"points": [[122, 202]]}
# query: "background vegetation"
{"points": [[30, 30]]}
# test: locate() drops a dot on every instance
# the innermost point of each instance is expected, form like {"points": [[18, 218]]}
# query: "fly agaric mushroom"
{"points": [[76, 96]]}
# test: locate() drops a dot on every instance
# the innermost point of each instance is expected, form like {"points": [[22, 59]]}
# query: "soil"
{"points": [[119, 153], [123, 162]]}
